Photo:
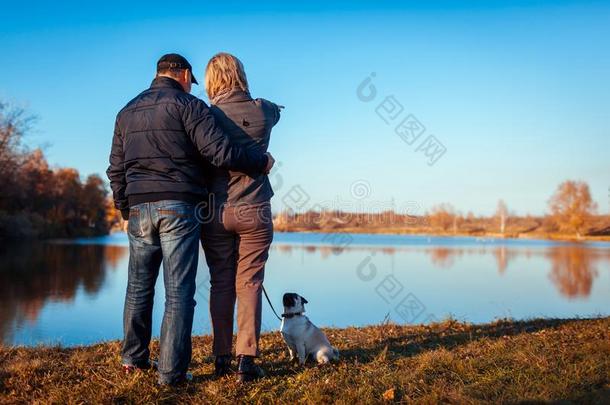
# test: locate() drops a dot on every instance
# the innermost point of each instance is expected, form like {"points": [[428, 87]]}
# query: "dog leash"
{"points": [[270, 304]]}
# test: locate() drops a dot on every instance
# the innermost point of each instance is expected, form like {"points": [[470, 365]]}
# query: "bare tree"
{"points": [[571, 206], [14, 123], [502, 215], [458, 220]]}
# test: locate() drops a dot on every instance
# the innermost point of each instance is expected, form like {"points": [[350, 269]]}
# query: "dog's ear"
{"points": [[304, 300], [289, 299]]}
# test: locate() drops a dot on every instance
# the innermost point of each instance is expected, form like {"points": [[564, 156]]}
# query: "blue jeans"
{"points": [[161, 232]]}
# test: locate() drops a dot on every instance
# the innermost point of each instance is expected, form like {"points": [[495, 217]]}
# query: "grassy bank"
{"points": [[539, 360]]}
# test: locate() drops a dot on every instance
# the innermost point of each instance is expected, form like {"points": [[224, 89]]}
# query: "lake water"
{"points": [[72, 292]]}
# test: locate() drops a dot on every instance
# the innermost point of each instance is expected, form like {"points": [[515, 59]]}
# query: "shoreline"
{"points": [[386, 231], [449, 361]]}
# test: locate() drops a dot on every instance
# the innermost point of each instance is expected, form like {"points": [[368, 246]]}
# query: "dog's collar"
{"points": [[291, 315]]}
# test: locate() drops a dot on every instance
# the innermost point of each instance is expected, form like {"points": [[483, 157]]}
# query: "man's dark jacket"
{"points": [[162, 140]]}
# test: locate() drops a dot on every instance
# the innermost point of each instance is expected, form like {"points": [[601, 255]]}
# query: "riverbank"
{"points": [[390, 223], [435, 233], [482, 235], [505, 361], [25, 227]]}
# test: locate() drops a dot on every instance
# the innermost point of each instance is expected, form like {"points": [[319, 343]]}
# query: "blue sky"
{"points": [[517, 93]]}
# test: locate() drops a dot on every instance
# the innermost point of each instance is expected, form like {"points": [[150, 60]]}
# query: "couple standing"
{"points": [[171, 152]]}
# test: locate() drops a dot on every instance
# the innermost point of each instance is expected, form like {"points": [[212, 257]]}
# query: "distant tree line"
{"points": [[571, 213], [37, 200]]}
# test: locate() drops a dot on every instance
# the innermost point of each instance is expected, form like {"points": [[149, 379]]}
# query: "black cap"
{"points": [[175, 61]]}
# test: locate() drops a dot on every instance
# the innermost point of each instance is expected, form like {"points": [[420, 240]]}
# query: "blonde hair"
{"points": [[224, 72]]}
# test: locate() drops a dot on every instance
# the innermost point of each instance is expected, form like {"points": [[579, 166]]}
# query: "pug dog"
{"points": [[303, 338]]}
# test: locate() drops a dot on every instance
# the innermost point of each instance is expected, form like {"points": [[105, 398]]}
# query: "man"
{"points": [[162, 139]]}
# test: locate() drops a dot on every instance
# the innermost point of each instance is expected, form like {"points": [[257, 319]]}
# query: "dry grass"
{"points": [[502, 362]]}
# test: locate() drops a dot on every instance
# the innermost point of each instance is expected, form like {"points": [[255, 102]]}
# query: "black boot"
{"points": [[222, 365], [248, 370]]}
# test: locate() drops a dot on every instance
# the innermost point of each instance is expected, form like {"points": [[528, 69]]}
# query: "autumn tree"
{"points": [[113, 216], [36, 183], [442, 216], [92, 207], [571, 206]]}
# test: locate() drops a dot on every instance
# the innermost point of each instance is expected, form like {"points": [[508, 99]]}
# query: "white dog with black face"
{"points": [[303, 338]]}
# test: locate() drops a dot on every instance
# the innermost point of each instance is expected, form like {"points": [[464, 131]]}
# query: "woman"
{"points": [[238, 233]]}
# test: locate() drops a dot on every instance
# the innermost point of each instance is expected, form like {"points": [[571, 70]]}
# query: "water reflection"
{"points": [[43, 286], [573, 270], [573, 267], [33, 275], [443, 257]]}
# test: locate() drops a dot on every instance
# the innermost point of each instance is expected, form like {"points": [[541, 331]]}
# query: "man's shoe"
{"points": [[186, 378], [248, 370], [131, 368], [222, 365]]}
